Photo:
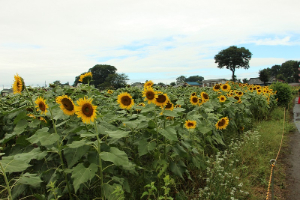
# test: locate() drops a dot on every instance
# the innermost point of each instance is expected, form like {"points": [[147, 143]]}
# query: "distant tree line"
{"points": [[287, 72], [183, 79]]}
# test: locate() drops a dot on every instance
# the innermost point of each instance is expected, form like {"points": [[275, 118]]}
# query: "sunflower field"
{"points": [[131, 143]]}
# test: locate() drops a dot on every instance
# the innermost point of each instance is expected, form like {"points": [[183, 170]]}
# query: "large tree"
{"points": [[180, 79], [114, 81], [233, 58], [264, 75], [195, 78], [100, 73]]}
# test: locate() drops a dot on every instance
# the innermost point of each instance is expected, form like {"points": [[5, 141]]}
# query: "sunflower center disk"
{"points": [[221, 123], [195, 100], [150, 95], [67, 104], [42, 106], [126, 101], [87, 110], [161, 98]]}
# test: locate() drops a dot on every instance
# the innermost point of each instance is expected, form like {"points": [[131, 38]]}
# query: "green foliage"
{"points": [[284, 93], [65, 158], [233, 58], [264, 75]]}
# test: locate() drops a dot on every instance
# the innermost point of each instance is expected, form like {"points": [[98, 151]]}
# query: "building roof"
{"points": [[257, 81], [193, 83]]}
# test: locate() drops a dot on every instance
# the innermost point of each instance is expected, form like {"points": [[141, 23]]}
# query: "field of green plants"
{"points": [[131, 143]]}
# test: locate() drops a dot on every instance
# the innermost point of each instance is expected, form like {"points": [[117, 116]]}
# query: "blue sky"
{"points": [[159, 40]]}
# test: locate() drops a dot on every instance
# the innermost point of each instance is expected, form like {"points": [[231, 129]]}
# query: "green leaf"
{"points": [[169, 133], [19, 128], [20, 116], [72, 155], [178, 168], [30, 179], [142, 147], [80, 174], [13, 165], [44, 137], [117, 134], [170, 113], [148, 108], [109, 191], [35, 153], [77, 144], [115, 156]]}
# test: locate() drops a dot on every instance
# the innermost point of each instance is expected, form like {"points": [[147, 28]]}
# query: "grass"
{"points": [[243, 170]]}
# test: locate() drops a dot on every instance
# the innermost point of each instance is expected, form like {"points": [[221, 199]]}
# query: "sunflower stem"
{"points": [[60, 156], [100, 161], [7, 183]]}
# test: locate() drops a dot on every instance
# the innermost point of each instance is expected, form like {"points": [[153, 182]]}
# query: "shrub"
{"points": [[284, 93]]}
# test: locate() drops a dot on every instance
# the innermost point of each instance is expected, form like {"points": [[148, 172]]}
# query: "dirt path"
{"points": [[293, 160]]}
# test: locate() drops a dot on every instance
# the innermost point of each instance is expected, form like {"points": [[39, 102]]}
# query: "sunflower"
{"points": [[125, 100], [190, 124], [169, 118], [200, 102], [258, 91], [86, 75], [140, 105], [169, 106], [239, 93], [222, 98], [148, 84], [42, 119], [216, 87], [31, 115], [18, 85], [237, 98], [225, 87], [86, 110], [161, 100], [66, 104], [193, 94], [194, 100], [150, 95], [177, 106], [222, 123], [41, 105], [204, 96], [110, 91]]}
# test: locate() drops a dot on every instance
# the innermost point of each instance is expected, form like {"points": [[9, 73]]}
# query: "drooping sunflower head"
{"points": [[204, 96], [225, 87], [110, 91], [161, 100], [18, 85], [222, 123], [150, 95], [222, 98], [125, 100], [216, 87], [86, 110], [148, 84], [66, 104], [85, 77], [237, 98], [169, 106], [194, 100], [41, 105], [190, 124]]}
